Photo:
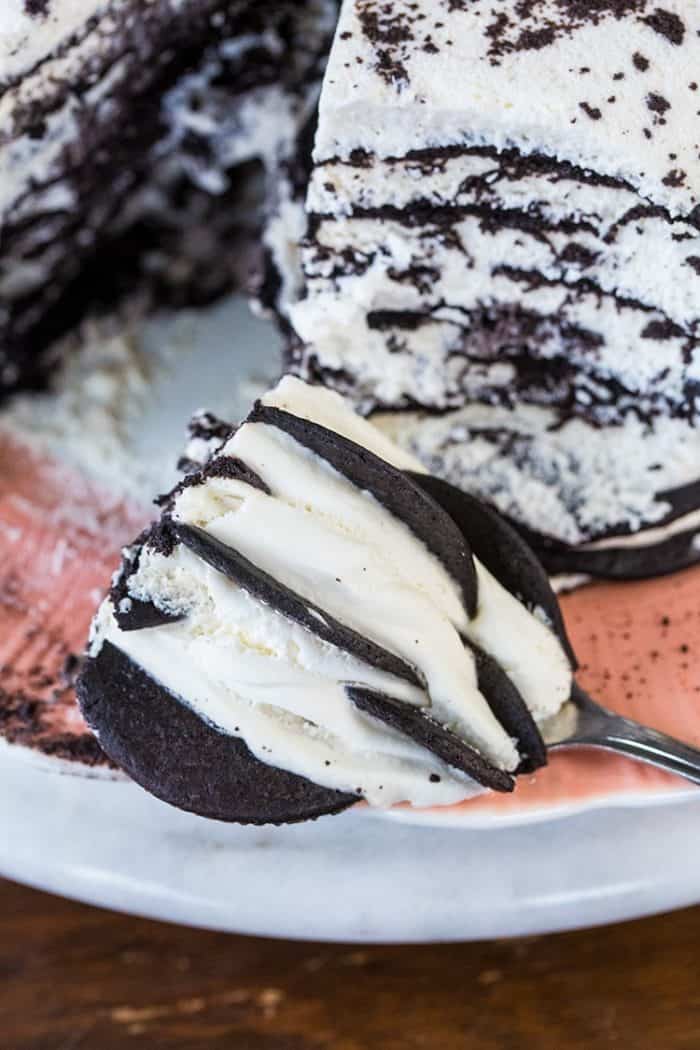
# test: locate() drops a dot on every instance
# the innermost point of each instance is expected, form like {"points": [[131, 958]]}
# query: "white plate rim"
{"points": [[481, 820]]}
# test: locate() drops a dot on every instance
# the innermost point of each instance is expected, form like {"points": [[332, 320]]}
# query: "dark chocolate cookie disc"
{"points": [[511, 711], [418, 724], [673, 554], [183, 760], [134, 614], [254, 580], [501, 550], [411, 503], [639, 562]]}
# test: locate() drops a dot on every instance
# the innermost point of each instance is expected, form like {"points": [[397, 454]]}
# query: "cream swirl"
{"points": [[307, 593]]}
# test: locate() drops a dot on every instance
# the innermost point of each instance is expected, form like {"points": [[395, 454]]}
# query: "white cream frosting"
{"points": [[570, 480], [649, 537], [455, 90], [332, 319], [254, 673]]}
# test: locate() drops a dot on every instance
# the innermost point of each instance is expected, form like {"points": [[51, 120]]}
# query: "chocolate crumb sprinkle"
{"points": [[592, 111], [666, 24]]}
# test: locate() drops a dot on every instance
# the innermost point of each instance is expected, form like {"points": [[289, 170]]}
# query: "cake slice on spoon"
{"points": [[314, 621], [308, 625]]}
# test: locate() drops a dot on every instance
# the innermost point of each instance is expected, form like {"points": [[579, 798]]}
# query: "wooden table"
{"points": [[76, 978]]}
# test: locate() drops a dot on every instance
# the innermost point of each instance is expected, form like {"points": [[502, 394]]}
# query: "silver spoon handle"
{"points": [[648, 745], [600, 728]]}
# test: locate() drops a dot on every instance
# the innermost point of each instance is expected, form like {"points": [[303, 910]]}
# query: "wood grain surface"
{"points": [[77, 978]]}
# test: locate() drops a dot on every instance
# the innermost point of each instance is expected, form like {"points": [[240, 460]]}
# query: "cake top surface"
{"points": [[32, 29], [610, 85]]}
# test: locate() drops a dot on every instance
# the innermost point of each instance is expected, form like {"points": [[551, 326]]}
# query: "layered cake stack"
{"points": [[501, 252], [503, 260], [133, 138]]}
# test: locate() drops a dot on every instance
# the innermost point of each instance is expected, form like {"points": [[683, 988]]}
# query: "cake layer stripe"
{"points": [[410, 503], [254, 581]]}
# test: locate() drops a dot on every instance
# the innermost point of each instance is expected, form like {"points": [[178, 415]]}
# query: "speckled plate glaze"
{"points": [[493, 866]]}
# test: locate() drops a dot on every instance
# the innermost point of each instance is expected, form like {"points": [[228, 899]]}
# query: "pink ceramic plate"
{"points": [[60, 535]]}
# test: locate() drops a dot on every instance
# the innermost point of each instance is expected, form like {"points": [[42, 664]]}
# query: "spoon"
{"points": [[583, 723]]}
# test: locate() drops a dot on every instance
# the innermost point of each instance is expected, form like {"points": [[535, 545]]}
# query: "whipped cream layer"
{"points": [[503, 231], [339, 620]]}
